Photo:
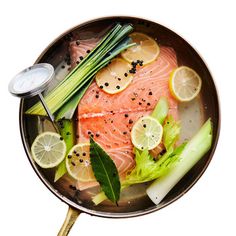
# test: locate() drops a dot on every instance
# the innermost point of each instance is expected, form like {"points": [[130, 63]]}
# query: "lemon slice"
{"points": [[78, 163], [146, 133], [185, 84], [48, 149], [146, 50], [115, 77]]}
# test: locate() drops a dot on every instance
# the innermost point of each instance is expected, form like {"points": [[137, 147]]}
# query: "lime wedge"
{"points": [[48, 149], [146, 133]]}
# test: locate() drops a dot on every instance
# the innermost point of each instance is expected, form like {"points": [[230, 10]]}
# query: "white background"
{"points": [[28, 208]]}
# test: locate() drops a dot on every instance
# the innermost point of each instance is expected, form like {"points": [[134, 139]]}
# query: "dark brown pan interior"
{"points": [[186, 55]]}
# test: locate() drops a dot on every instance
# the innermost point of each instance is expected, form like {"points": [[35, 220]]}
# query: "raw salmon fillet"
{"points": [[109, 118], [79, 49]]}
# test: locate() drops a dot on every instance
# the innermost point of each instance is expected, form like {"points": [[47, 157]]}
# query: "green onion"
{"points": [[68, 109], [110, 46]]}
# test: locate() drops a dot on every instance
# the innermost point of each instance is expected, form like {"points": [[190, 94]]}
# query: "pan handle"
{"points": [[71, 216]]}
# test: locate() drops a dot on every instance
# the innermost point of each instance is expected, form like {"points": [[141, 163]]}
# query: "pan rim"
{"points": [[133, 213]]}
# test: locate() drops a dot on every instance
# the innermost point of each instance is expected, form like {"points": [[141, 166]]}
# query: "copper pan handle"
{"points": [[71, 216]]}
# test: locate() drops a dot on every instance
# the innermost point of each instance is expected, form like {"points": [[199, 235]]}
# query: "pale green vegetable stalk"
{"points": [[195, 149], [171, 131], [110, 46], [161, 110], [66, 128], [147, 169]]}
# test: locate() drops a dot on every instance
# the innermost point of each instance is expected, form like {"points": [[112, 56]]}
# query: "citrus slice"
{"points": [[115, 77], [48, 149], [78, 162], [185, 84], [146, 133], [146, 50]]}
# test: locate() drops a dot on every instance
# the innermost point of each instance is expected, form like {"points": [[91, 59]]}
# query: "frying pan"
{"points": [[193, 114]]}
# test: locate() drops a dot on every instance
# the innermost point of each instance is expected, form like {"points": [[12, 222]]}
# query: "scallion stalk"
{"points": [[68, 109], [110, 46]]}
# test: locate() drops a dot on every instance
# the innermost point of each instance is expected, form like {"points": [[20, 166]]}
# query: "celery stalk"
{"points": [[161, 110], [100, 197], [66, 128], [61, 170], [195, 149]]}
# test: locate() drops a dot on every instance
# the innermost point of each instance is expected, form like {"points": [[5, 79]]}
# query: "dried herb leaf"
{"points": [[105, 171]]}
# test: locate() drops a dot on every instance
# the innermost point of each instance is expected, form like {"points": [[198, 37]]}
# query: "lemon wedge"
{"points": [[115, 77], [78, 163], [185, 84], [146, 50]]}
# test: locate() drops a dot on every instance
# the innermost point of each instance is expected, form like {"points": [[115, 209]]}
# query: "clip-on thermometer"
{"points": [[33, 81]]}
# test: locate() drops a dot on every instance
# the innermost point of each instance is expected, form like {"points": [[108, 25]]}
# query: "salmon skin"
{"points": [[109, 118]]}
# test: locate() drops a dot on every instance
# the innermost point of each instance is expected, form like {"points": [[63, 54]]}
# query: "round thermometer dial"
{"points": [[32, 80]]}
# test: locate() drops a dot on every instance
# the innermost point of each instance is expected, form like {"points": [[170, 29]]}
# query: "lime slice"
{"points": [[78, 163], [115, 77], [48, 149], [146, 133], [185, 84], [146, 50]]}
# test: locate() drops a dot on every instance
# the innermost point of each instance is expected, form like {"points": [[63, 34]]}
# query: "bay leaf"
{"points": [[105, 171]]}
